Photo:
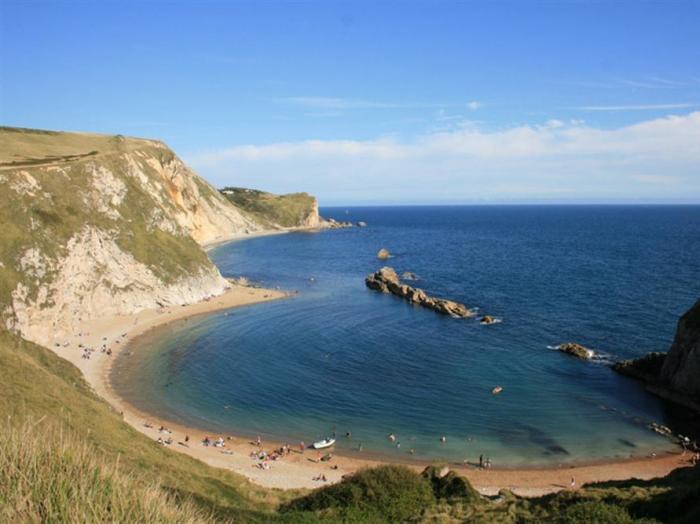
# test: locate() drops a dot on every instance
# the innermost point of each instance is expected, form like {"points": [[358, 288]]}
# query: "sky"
{"points": [[415, 102]]}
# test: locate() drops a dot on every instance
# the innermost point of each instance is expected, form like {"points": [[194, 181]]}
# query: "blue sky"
{"points": [[374, 102]]}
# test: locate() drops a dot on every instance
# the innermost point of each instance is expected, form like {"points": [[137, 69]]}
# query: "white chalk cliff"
{"points": [[97, 225]]}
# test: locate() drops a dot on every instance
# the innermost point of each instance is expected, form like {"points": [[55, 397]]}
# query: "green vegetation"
{"points": [[283, 210], [382, 494], [47, 475]]}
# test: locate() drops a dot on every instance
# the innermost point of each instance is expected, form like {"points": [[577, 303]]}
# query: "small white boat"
{"points": [[325, 443]]}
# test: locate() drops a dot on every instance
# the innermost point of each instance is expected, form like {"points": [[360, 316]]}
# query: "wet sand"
{"points": [[297, 470]]}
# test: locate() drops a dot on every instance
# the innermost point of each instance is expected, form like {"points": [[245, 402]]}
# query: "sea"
{"points": [[339, 359]]}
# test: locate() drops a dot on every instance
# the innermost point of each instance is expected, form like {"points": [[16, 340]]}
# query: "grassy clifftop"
{"points": [[292, 210]]}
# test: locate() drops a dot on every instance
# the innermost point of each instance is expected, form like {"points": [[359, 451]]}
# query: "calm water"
{"points": [[340, 356]]}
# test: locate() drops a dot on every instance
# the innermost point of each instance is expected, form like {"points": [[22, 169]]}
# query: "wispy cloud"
{"points": [[324, 102], [553, 158], [638, 107], [650, 82], [340, 103]]}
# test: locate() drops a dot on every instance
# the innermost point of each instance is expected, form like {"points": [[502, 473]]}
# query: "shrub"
{"points": [[595, 513], [385, 493]]}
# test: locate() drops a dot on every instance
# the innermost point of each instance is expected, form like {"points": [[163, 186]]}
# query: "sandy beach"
{"points": [[296, 469]]}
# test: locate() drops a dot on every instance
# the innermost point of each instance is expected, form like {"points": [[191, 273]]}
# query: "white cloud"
{"points": [[642, 107], [468, 163], [474, 105]]}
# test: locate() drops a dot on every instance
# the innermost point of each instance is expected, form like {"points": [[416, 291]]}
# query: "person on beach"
{"points": [[481, 462], [443, 439], [302, 446], [258, 441], [187, 438], [573, 483]]}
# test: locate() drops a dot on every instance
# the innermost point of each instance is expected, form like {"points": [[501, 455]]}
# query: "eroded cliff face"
{"points": [[95, 225], [681, 368]]}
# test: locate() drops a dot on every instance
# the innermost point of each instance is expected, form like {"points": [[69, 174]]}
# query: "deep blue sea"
{"points": [[339, 357]]}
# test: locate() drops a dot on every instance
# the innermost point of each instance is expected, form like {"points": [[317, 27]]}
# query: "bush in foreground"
{"points": [[385, 493]]}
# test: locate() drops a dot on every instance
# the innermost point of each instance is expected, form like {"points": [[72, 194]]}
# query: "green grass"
{"points": [[49, 475], [381, 494], [283, 210]]}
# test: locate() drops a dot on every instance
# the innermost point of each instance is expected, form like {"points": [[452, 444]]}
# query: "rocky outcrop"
{"points": [[97, 225], [383, 254], [676, 374], [387, 281], [576, 350], [647, 368], [681, 368], [332, 223]]}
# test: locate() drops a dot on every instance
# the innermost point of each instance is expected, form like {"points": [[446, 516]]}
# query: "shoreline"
{"points": [[297, 470]]}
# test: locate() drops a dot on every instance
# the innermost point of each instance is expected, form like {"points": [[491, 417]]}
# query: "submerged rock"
{"points": [[407, 275], [387, 281], [487, 319], [383, 254], [576, 350], [361, 224]]}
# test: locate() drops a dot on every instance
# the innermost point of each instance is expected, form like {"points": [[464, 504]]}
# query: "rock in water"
{"points": [[407, 275], [487, 319], [387, 281], [576, 350], [361, 224], [383, 254]]}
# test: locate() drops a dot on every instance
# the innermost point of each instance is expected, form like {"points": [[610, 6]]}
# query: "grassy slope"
{"points": [[284, 210]]}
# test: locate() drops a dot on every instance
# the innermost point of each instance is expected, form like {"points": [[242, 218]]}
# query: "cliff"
{"points": [[681, 367], [295, 210], [95, 225], [676, 374]]}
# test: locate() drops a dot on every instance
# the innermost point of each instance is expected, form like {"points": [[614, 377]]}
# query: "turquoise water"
{"points": [[338, 357]]}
